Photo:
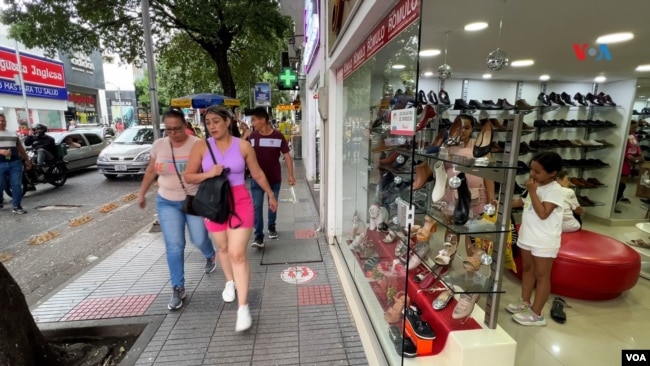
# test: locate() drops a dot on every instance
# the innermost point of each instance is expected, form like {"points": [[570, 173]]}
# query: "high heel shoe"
{"points": [[422, 98], [428, 112], [580, 99], [441, 181], [473, 263], [461, 211], [455, 131], [394, 313], [433, 99], [429, 227], [442, 300], [483, 142], [423, 174], [443, 96], [420, 251], [464, 306], [437, 142], [444, 256]]}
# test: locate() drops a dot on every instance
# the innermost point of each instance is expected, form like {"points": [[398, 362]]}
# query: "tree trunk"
{"points": [[21, 342], [220, 57]]}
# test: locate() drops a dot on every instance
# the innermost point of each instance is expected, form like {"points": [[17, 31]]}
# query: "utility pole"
{"points": [[20, 80], [151, 69]]}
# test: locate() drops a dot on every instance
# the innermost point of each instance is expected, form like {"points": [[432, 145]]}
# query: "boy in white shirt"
{"points": [[571, 220]]}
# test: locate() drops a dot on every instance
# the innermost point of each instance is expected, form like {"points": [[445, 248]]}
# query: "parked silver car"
{"points": [[128, 153], [83, 147]]}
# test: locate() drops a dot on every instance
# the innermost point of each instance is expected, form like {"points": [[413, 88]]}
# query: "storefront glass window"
{"points": [[52, 119]]}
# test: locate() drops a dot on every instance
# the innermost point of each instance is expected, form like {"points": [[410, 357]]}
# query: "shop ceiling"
{"points": [[544, 31]]}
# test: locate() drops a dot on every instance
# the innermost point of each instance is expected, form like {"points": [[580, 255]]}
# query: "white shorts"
{"points": [[540, 252]]}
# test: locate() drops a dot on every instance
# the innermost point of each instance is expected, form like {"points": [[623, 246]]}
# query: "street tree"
{"points": [[225, 30]]}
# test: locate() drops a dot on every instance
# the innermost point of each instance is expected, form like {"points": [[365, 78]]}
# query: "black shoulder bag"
{"points": [[214, 199], [187, 204]]}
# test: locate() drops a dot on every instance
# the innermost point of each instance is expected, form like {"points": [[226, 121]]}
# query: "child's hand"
{"points": [[531, 185]]}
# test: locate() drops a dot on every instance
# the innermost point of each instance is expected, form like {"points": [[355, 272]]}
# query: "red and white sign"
{"points": [[403, 14], [81, 99], [35, 70], [402, 122], [298, 275]]}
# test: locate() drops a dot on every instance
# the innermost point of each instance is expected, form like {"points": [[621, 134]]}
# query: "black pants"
{"points": [[43, 156], [621, 189]]}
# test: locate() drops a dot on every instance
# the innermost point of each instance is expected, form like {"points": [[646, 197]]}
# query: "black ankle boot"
{"points": [[464, 202]]}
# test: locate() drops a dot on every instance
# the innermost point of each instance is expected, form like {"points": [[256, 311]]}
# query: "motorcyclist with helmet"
{"points": [[43, 144]]}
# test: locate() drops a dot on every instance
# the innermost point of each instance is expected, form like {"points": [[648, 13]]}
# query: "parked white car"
{"points": [[128, 153], [90, 145]]}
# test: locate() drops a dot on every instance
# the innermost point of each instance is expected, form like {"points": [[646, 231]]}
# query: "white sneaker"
{"points": [[244, 319], [228, 293]]}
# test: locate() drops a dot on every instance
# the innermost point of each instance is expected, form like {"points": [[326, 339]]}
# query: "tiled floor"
{"points": [[595, 331]]}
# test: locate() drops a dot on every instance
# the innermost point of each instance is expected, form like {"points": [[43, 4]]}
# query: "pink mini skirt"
{"points": [[243, 209]]}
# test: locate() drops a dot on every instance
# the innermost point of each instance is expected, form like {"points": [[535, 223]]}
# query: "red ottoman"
{"points": [[592, 266]]}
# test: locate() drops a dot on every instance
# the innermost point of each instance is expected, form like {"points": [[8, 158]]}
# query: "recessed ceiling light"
{"points": [[600, 79], [641, 96], [429, 53], [615, 38], [487, 76], [643, 68], [472, 27], [428, 73], [522, 63], [399, 67], [545, 77]]}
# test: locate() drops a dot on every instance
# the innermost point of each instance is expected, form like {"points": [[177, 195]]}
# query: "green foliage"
{"points": [[216, 45]]}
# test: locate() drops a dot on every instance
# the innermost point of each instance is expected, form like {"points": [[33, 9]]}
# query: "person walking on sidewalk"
{"points": [[269, 145], [169, 157], [232, 236], [11, 166]]}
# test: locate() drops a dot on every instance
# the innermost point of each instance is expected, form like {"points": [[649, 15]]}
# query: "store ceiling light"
{"points": [[615, 38], [429, 53], [545, 77], [522, 63], [428, 73], [477, 26], [487, 76], [399, 67], [643, 68], [600, 79]]}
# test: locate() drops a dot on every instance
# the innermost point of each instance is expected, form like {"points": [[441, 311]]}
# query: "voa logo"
{"points": [[600, 51]]}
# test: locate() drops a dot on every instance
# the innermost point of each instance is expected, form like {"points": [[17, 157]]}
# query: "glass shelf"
{"points": [[593, 127], [472, 227], [464, 161]]}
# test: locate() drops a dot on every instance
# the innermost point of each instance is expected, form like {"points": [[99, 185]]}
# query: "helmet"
{"points": [[41, 128]]}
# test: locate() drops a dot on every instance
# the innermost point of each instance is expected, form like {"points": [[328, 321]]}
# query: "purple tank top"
{"points": [[232, 159]]}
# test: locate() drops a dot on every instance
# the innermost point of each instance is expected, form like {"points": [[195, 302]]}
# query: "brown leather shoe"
{"points": [[521, 104], [576, 182], [423, 174], [390, 158]]}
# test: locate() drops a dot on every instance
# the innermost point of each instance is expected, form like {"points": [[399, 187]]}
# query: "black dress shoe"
{"points": [[475, 104], [556, 99], [443, 97], [503, 104], [543, 98], [422, 98], [580, 99], [483, 142], [594, 100], [566, 98], [606, 99], [489, 104], [463, 205], [460, 104], [433, 99]]}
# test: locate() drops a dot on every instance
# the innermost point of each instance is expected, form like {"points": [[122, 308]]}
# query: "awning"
{"points": [[204, 100]]}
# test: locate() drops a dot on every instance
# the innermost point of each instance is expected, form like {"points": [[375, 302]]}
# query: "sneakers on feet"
{"points": [[228, 293], [19, 210], [210, 265], [258, 242], [244, 319], [272, 233], [517, 307], [177, 298], [529, 318]]}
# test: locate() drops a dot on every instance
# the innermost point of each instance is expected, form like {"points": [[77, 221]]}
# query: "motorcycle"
{"points": [[53, 172]]}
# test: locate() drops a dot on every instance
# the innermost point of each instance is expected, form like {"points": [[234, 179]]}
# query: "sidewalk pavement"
{"points": [[293, 324]]}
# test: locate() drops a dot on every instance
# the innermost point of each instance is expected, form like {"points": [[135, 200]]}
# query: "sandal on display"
{"points": [[444, 256], [440, 182], [557, 310], [464, 306], [394, 313], [429, 227], [421, 328], [419, 252], [442, 300], [473, 264]]}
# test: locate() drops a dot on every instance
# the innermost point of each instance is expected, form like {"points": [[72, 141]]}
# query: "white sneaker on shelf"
{"points": [[244, 319], [228, 293]]}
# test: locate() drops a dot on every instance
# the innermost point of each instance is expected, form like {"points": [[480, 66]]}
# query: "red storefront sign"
{"points": [[401, 16], [35, 70], [81, 99]]}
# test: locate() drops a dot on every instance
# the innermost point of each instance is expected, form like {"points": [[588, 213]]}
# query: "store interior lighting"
{"points": [[615, 38], [477, 26], [522, 63]]}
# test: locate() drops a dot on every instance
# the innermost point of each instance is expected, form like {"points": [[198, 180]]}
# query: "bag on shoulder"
{"points": [[214, 199], [187, 205]]}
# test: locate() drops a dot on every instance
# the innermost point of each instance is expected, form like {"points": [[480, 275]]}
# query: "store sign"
{"points": [[43, 78], [83, 63], [402, 122], [582, 50], [311, 29], [81, 99], [403, 14], [287, 107], [262, 95], [123, 102]]}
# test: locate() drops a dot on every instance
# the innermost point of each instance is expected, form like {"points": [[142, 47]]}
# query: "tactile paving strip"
{"points": [[305, 233], [110, 307], [315, 295]]}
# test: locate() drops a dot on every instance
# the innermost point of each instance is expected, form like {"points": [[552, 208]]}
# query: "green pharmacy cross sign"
{"points": [[288, 80]]}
